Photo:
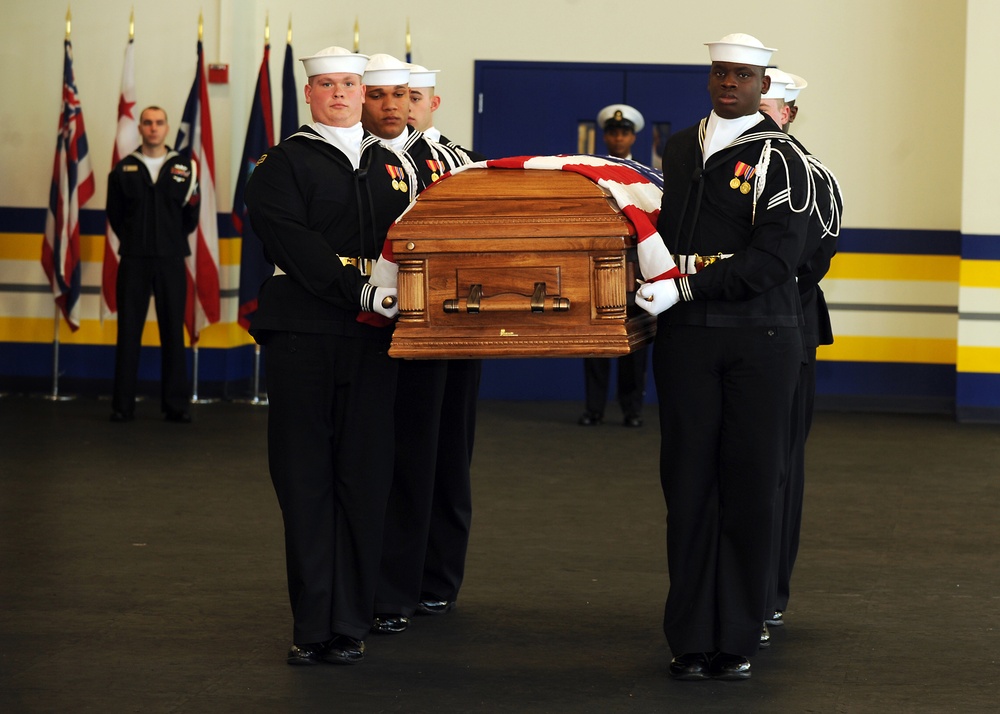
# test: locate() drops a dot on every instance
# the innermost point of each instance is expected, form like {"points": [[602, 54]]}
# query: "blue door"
{"points": [[540, 108]]}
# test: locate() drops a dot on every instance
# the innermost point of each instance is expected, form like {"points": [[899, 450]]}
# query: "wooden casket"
{"points": [[516, 263]]}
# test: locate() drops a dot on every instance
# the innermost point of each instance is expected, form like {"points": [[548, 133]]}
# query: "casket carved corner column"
{"points": [[412, 287], [608, 289]]}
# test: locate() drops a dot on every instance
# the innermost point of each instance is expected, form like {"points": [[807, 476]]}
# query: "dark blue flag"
{"points": [[254, 266], [289, 96]]}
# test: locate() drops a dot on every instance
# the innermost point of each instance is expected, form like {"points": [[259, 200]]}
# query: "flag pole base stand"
{"points": [[257, 401], [204, 400]]}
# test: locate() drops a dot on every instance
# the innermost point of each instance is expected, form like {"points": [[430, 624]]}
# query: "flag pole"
{"points": [[55, 396], [409, 45], [357, 35], [256, 400], [195, 399]]}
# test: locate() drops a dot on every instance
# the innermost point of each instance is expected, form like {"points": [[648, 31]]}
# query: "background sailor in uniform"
{"points": [[322, 201], [620, 123], [153, 207], [824, 222], [430, 505], [726, 358]]}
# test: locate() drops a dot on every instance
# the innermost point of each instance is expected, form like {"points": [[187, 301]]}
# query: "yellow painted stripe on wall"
{"points": [[882, 349], [980, 273], [979, 359], [28, 246], [882, 266], [92, 332]]}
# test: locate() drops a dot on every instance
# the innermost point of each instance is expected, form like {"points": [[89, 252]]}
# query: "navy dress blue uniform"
{"points": [[824, 223], [725, 361], [152, 221], [430, 506], [331, 382]]}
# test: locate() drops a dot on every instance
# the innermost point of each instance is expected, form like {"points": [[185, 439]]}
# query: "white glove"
{"points": [[384, 301], [657, 297]]}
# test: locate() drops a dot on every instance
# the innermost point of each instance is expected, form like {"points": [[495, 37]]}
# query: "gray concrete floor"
{"points": [[141, 570]]}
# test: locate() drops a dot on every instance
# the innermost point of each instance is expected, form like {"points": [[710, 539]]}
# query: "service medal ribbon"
{"points": [[741, 177], [394, 173], [436, 167]]}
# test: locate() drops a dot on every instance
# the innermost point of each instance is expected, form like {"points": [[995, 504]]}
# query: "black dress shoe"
{"points": [[590, 419], [765, 636], [777, 619], [120, 417], [633, 420], [308, 654], [730, 667], [344, 650], [435, 607], [178, 417], [690, 666], [388, 624]]}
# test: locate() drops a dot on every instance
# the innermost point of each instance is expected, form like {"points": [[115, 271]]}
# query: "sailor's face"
{"points": [[335, 99], [735, 88]]}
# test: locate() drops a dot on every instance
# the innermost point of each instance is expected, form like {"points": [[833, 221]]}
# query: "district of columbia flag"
{"points": [[72, 186], [126, 141], [254, 266], [194, 141]]}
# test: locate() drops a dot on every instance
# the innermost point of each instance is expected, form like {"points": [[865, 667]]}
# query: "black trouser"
{"points": [[631, 381], [792, 490], [724, 395], [166, 280], [330, 451], [430, 505]]}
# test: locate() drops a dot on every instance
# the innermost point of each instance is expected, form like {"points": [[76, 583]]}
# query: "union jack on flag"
{"points": [[72, 187]]}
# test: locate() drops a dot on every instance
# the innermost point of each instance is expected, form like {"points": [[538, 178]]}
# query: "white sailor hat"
{"points": [[620, 115], [385, 70], [793, 89], [742, 48], [780, 81], [420, 76], [333, 60]]}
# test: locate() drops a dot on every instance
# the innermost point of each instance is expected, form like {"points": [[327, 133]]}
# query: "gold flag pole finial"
{"points": [[69, 22], [131, 25], [288, 39], [357, 35], [201, 26], [267, 27], [408, 43]]}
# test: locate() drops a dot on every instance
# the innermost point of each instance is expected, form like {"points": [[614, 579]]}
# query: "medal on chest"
{"points": [[398, 177], [436, 167], [741, 177]]}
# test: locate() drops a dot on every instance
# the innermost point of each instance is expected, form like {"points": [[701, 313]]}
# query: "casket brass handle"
{"points": [[507, 302]]}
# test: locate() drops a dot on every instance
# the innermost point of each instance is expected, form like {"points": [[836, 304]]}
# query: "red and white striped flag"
{"points": [[72, 186], [194, 141], [126, 141]]}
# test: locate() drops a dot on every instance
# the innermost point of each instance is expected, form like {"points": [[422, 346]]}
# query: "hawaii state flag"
{"points": [[194, 141], [254, 266], [72, 187], [126, 141]]}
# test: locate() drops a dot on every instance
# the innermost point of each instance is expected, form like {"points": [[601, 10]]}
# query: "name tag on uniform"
{"points": [[129, 167]]}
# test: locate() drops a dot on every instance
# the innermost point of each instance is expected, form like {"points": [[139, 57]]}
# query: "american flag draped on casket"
{"points": [[526, 256], [637, 189]]}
